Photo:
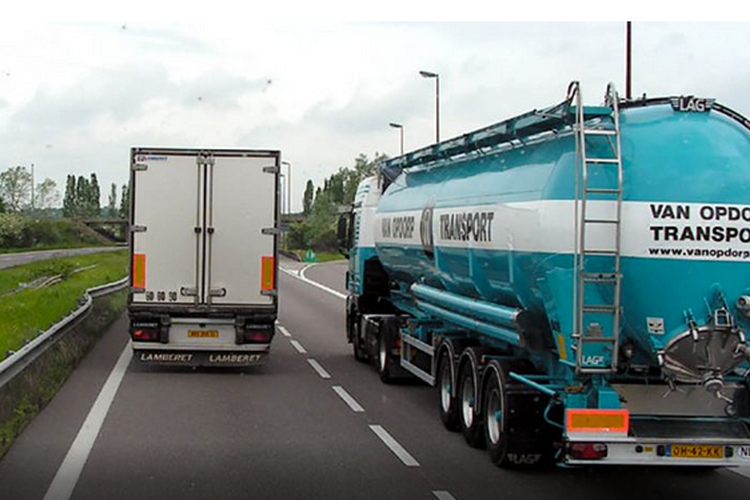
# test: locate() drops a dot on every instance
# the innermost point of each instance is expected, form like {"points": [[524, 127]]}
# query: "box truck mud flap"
{"points": [[199, 358]]}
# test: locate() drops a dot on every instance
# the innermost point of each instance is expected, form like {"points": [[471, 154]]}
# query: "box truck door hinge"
{"points": [[187, 291], [270, 231], [137, 229], [218, 292], [137, 289], [139, 167], [271, 170], [204, 160], [268, 293]]}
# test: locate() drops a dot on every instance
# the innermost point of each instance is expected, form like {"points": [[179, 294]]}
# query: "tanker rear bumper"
{"points": [[641, 452], [669, 441]]}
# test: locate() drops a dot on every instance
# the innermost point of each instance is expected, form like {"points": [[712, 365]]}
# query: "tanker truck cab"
{"points": [[203, 255], [366, 280], [570, 280]]}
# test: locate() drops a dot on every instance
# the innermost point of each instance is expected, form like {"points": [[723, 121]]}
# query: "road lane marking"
{"points": [[67, 475], [318, 368], [443, 495], [742, 471], [307, 280], [298, 346], [284, 331], [394, 446], [348, 399]]}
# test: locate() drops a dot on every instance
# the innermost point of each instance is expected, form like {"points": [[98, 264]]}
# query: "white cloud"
{"points": [[76, 97]]}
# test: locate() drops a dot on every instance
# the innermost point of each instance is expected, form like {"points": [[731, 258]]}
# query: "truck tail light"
{"points": [[587, 451], [257, 334], [143, 331]]}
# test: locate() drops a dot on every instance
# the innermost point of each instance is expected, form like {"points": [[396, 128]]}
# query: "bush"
{"points": [[14, 231], [19, 231]]}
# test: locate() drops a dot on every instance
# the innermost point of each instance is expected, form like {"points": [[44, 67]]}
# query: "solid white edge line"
{"points": [[298, 346], [348, 399], [443, 495], [318, 368], [65, 480], [307, 280], [284, 331], [742, 471], [394, 446]]}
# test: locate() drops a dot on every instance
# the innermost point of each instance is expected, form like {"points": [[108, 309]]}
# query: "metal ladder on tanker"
{"points": [[598, 265]]}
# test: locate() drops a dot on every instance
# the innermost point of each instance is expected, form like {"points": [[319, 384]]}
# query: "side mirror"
{"points": [[342, 234]]}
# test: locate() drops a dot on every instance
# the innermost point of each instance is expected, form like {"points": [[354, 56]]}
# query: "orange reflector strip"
{"points": [[266, 277], [139, 270], [614, 421]]}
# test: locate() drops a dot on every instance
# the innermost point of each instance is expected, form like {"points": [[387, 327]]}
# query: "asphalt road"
{"points": [[312, 424], [17, 259]]}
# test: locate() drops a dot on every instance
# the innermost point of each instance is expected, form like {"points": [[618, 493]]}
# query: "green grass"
{"points": [[24, 314], [321, 256]]}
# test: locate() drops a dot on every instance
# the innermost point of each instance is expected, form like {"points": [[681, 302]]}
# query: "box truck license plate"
{"points": [[203, 334], [696, 451]]}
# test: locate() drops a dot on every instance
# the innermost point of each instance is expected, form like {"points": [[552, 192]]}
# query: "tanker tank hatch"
{"points": [[705, 354]]}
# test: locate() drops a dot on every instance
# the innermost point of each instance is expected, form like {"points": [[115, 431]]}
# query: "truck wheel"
{"points": [[494, 402], [384, 361], [468, 399], [446, 398], [516, 431], [360, 353]]}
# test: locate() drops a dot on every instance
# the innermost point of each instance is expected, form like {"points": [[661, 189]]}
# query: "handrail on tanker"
{"points": [[525, 125], [517, 128]]}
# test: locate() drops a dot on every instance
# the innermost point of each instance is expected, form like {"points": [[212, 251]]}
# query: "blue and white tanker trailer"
{"points": [[574, 280]]}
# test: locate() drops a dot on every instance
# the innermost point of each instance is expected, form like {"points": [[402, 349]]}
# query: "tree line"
{"points": [[321, 204], [19, 194]]}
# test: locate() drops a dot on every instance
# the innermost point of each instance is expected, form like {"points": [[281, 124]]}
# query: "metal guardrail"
{"points": [[19, 360]]}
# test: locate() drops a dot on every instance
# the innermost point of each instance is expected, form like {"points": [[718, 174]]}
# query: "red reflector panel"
{"points": [[139, 270], [610, 421], [266, 275]]}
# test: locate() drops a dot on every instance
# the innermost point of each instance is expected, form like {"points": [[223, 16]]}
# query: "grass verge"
{"points": [[24, 314], [26, 394]]}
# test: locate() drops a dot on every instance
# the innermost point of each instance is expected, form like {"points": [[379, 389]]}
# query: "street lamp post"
{"points": [[288, 186], [429, 74], [401, 130]]}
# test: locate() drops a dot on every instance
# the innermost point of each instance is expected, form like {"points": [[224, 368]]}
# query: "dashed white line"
{"points": [[298, 346], [443, 495], [67, 475], [284, 331], [318, 368], [394, 446], [348, 399]]}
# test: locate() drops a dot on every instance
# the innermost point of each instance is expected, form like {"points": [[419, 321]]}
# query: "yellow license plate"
{"points": [[697, 451], [203, 334]]}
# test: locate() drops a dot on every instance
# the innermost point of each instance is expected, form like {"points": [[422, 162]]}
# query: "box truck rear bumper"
{"points": [[150, 354]]}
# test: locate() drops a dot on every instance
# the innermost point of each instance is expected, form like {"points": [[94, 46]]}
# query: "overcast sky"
{"points": [[74, 98]]}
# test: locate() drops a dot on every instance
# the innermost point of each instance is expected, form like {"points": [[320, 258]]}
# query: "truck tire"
{"points": [[468, 398], [516, 433], [384, 360], [354, 332], [447, 403], [495, 413]]}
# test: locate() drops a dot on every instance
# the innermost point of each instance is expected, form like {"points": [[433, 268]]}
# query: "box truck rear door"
{"points": [[242, 212]]}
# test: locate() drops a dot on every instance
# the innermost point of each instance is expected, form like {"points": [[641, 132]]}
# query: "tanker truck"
{"points": [[575, 281]]}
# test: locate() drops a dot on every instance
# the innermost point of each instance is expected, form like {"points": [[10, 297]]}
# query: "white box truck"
{"points": [[203, 255]]}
